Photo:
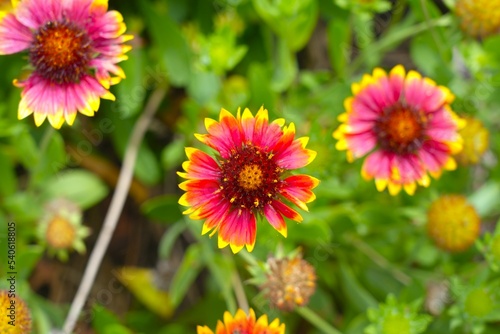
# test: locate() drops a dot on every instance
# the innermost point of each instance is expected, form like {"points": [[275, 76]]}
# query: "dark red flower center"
{"points": [[61, 52], [250, 178], [400, 129]]}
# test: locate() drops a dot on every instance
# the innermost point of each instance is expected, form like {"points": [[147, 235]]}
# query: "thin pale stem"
{"points": [[115, 209], [318, 322], [239, 291]]}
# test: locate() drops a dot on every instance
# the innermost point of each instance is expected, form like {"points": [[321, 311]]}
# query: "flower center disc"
{"points": [[400, 129], [61, 52], [250, 178]]}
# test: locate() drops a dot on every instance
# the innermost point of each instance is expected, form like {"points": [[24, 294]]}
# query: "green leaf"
{"points": [[485, 199], [261, 92], [173, 154], [285, 67], [105, 322], [27, 150], [187, 272], [169, 238], [79, 186], [52, 159], [357, 295], [167, 36], [9, 179], [339, 44], [141, 282], [27, 259], [132, 90], [204, 86], [292, 20], [162, 208], [147, 168]]}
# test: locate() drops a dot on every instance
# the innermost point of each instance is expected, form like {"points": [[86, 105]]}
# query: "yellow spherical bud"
{"points": [[479, 18], [453, 223], [61, 228], [475, 142], [60, 233], [15, 315]]}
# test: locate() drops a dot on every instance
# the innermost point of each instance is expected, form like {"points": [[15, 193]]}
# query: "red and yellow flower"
{"points": [[405, 124], [73, 47], [248, 178], [242, 323]]}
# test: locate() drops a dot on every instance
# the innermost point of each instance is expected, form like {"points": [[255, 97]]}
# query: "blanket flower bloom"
{"points": [[248, 178], [242, 323], [73, 47], [406, 126]]}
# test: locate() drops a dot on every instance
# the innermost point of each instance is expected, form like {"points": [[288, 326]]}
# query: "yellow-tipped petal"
{"points": [[381, 184], [221, 243], [39, 118], [398, 70], [394, 188], [205, 229], [209, 123], [23, 110], [451, 164], [56, 119], [183, 200], [234, 248], [70, 117], [410, 188]]}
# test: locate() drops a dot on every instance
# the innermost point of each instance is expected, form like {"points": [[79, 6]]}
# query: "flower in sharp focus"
{"points": [[15, 317], [248, 178], [73, 47], [290, 282], [406, 126], [242, 323], [475, 142], [479, 18], [61, 228], [453, 223]]}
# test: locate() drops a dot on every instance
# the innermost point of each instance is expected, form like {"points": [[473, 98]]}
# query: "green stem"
{"points": [[381, 261], [213, 268], [435, 37], [317, 321], [385, 43]]}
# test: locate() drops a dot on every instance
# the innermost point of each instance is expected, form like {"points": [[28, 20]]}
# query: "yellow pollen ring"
{"points": [[250, 177]]}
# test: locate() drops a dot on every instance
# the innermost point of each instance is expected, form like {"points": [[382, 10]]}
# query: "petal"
{"points": [[275, 219], [14, 36], [200, 165], [297, 189], [238, 230]]}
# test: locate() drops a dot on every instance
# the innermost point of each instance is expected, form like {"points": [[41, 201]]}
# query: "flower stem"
{"points": [[317, 321], [115, 209]]}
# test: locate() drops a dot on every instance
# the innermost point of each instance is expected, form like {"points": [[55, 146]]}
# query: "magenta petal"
{"points": [[14, 36], [275, 219], [378, 164]]}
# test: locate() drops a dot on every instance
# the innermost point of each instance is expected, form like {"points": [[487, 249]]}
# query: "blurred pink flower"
{"points": [[406, 126], [73, 48]]}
